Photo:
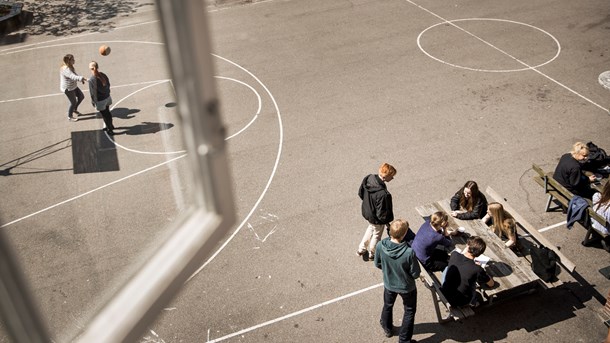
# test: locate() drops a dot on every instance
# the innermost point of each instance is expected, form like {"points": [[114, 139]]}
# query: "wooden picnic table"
{"points": [[512, 274]]}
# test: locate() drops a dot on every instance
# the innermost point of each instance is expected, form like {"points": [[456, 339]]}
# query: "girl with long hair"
{"points": [[502, 223], [468, 202], [68, 84]]}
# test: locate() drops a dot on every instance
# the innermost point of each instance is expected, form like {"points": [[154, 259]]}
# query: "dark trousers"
{"points": [[409, 302], [438, 261], [75, 97], [107, 118]]}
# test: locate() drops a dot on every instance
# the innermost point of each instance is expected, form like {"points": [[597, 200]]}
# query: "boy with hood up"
{"points": [[376, 208], [400, 268]]}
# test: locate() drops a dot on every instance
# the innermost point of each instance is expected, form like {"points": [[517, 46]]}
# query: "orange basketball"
{"points": [[104, 50]]}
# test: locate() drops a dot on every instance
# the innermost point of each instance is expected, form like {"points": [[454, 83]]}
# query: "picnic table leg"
{"points": [[437, 308], [548, 203]]}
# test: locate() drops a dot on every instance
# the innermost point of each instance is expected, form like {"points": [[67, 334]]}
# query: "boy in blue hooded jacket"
{"points": [[400, 268]]}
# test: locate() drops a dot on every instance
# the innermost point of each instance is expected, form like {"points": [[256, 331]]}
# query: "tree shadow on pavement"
{"points": [[58, 18]]}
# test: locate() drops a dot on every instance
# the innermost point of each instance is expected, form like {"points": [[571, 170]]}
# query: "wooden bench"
{"points": [[560, 194], [432, 282]]}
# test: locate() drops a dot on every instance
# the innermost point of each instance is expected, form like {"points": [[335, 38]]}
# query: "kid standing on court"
{"points": [[68, 84], [376, 208], [99, 88], [400, 268]]}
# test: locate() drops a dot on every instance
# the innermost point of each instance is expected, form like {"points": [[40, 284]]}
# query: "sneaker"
{"points": [[72, 119], [365, 256], [387, 332], [77, 113]]}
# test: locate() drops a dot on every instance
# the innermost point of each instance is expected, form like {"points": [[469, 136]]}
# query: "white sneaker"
{"points": [[72, 119]]}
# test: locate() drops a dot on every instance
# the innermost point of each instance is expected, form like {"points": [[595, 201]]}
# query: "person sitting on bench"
{"points": [[502, 223], [569, 172], [431, 234], [601, 205], [468, 203], [463, 273]]}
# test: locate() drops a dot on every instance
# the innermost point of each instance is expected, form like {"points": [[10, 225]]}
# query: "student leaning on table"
{"points": [[463, 274], [502, 223], [468, 202], [431, 234]]}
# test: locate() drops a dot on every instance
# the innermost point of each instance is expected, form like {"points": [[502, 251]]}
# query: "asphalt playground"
{"points": [[315, 95]]}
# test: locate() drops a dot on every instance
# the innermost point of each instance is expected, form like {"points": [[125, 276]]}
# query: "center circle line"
{"points": [[452, 23]]}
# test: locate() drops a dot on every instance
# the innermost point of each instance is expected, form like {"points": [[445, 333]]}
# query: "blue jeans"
{"points": [[75, 96], [409, 302]]}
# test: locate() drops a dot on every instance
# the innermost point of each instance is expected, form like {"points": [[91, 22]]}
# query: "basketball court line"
{"points": [[552, 226], [294, 314], [509, 55], [85, 90], [91, 191]]}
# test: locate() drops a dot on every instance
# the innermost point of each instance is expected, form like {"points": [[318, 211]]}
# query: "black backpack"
{"points": [[544, 262], [597, 157]]}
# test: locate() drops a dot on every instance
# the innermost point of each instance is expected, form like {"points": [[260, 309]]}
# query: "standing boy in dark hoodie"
{"points": [[400, 268], [376, 208]]}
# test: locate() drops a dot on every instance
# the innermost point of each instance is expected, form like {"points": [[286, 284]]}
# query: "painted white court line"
{"points": [[507, 54], [85, 90], [294, 314], [552, 226], [76, 36], [91, 191], [527, 67], [81, 43], [134, 150], [275, 166]]}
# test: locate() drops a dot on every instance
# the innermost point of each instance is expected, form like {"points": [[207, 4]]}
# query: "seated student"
{"points": [[569, 171], [502, 223], [433, 232], [462, 274], [468, 202], [601, 205]]}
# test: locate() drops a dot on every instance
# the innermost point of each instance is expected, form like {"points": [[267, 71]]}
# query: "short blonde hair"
{"points": [[398, 228], [387, 170], [578, 147]]}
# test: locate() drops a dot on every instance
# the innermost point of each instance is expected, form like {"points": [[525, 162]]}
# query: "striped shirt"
{"points": [[68, 79]]}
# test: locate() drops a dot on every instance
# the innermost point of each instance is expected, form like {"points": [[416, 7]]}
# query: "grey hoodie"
{"points": [[399, 265]]}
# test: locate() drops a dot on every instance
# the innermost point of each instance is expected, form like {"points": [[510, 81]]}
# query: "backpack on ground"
{"points": [[544, 262]]}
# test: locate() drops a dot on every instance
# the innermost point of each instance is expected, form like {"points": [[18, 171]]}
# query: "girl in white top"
{"points": [[601, 205], [68, 84]]}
